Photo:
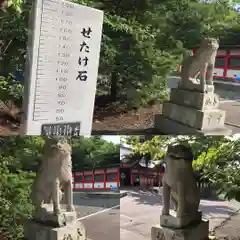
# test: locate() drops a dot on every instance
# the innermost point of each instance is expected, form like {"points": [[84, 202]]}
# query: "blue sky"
{"points": [[112, 138]]}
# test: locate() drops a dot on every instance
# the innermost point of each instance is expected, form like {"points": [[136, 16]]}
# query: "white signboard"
{"points": [[62, 68]]}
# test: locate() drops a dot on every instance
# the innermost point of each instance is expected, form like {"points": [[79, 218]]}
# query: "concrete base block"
{"points": [[198, 100], [38, 231], [198, 231], [201, 120], [168, 126]]}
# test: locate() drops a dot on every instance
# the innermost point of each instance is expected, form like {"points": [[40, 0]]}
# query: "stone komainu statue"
{"points": [[195, 67], [179, 182], [55, 173]]}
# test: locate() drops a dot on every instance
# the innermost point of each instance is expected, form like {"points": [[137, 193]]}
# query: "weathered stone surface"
{"points": [[193, 232], [176, 222], [180, 188], [168, 126], [47, 216], [36, 231], [199, 68], [54, 174], [195, 86], [201, 101], [201, 120]]}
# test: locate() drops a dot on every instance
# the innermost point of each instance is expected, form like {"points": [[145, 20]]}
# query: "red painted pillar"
{"points": [[105, 177], [93, 174], [118, 178], [226, 63], [74, 180], [83, 181]]}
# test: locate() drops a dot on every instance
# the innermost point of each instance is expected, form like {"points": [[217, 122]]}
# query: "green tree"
{"points": [[14, 200], [93, 152], [142, 43], [216, 158]]}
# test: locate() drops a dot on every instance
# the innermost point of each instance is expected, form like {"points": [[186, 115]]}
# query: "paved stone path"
{"points": [[230, 229], [99, 225], [139, 211], [104, 225], [233, 113]]}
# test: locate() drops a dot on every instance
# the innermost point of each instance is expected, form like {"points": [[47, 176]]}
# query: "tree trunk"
{"points": [[114, 82]]}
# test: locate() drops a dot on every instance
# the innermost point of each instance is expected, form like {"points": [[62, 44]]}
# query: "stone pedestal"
{"points": [[198, 231], [37, 231], [48, 226], [192, 112], [47, 216]]}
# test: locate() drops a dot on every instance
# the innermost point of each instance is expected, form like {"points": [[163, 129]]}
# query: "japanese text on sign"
{"points": [[83, 59], [63, 58]]}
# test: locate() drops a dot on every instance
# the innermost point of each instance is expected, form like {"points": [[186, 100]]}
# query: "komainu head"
{"points": [[180, 151], [211, 43], [58, 145]]}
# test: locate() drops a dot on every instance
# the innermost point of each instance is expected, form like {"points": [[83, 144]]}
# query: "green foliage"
{"points": [[13, 37], [11, 90], [21, 155], [223, 169], [142, 42], [14, 201], [22, 152], [217, 158], [155, 147], [25, 152], [93, 152]]}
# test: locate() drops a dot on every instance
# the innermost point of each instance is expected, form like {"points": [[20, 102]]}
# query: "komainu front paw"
{"points": [[165, 211], [57, 211], [70, 208], [180, 214]]}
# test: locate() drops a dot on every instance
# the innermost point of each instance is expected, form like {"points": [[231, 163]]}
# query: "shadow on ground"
{"points": [[210, 207]]}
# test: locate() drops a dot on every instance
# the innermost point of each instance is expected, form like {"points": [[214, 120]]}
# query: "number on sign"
{"points": [[60, 111], [66, 30], [63, 63], [64, 54], [61, 95], [64, 38], [68, 5], [66, 22], [59, 118], [62, 79], [62, 87], [61, 102], [68, 14], [65, 46], [65, 71]]}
